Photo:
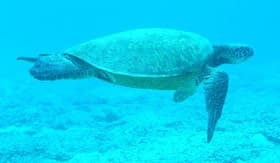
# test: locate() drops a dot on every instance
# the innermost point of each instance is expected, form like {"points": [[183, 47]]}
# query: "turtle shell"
{"points": [[146, 52]]}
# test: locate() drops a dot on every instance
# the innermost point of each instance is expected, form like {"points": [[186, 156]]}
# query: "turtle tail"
{"points": [[55, 67]]}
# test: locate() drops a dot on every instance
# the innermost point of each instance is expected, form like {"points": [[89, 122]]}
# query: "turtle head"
{"points": [[230, 54]]}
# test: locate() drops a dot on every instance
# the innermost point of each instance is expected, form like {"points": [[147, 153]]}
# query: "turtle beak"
{"points": [[28, 59]]}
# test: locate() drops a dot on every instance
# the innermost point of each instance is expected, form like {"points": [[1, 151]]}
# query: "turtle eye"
{"points": [[243, 52], [68, 56]]}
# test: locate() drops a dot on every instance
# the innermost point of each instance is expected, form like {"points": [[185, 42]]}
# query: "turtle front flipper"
{"points": [[215, 86], [185, 91]]}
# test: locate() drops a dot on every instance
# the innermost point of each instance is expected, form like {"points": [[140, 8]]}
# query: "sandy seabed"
{"points": [[93, 121]]}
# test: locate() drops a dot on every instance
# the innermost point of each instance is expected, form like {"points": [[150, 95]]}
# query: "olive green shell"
{"points": [[146, 52]]}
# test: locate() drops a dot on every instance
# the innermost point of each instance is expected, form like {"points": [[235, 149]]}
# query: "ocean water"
{"points": [[89, 120]]}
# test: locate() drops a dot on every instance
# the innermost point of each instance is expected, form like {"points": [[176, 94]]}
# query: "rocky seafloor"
{"points": [[93, 121]]}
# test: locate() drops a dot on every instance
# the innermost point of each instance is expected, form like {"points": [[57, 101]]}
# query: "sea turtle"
{"points": [[164, 59]]}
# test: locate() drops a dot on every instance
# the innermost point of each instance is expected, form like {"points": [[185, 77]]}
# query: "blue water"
{"points": [[93, 121]]}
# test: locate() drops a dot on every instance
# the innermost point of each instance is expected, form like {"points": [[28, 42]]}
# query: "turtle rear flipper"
{"points": [[28, 59], [215, 86], [58, 66]]}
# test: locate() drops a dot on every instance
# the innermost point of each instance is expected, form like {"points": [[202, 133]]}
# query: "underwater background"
{"points": [[93, 121]]}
